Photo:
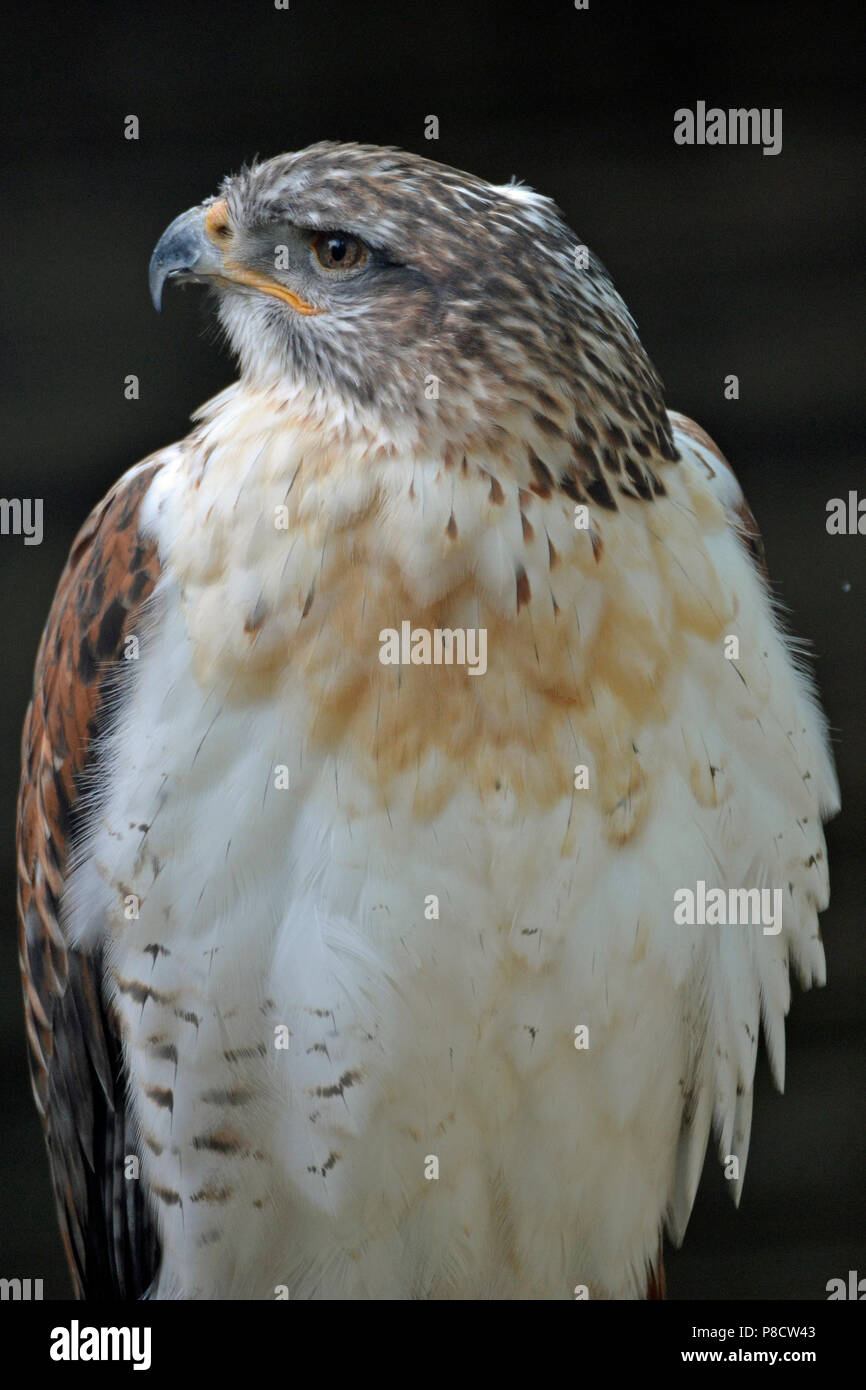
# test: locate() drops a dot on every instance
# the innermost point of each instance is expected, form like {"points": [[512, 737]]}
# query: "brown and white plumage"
{"points": [[75, 1051], [151, 781]]}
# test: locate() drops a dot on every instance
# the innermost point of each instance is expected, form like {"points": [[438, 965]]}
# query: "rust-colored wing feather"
{"points": [[656, 1284], [718, 467], [75, 1055]]}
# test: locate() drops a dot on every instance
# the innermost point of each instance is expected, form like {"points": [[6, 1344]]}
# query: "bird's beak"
{"points": [[198, 246], [183, 252]]}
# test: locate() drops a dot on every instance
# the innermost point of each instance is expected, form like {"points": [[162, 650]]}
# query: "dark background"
{"points": [[730, 261]]}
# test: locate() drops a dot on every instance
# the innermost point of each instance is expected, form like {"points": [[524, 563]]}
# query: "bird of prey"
{"points": [[353, 963]]}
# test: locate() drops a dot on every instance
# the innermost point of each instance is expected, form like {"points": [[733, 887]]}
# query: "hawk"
{"points": [[358, 978]]}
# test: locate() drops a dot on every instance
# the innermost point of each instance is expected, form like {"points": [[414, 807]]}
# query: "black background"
{"points": [[731, 262]]}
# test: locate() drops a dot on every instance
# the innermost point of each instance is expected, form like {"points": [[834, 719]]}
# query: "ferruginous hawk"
{"points": [[380, 731]]}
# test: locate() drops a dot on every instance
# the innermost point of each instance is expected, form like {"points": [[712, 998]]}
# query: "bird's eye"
{"points": [[338, 250]]}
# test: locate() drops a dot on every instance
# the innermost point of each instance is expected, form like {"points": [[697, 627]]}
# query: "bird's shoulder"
{"points": [[702, 452]]}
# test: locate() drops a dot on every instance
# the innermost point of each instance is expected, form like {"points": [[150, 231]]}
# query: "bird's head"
{"points": [[414, 293]]}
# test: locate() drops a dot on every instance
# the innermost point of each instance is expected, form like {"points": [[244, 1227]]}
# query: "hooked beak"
{"points": [[183, 252], [197, 246]]}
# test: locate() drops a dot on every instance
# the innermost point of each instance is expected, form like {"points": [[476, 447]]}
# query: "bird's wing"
{"points": [[766, 831], [724, 482], [75, 1053]]}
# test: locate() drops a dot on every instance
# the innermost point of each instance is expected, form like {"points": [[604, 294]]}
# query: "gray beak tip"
{"points": [[155, 283]]}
